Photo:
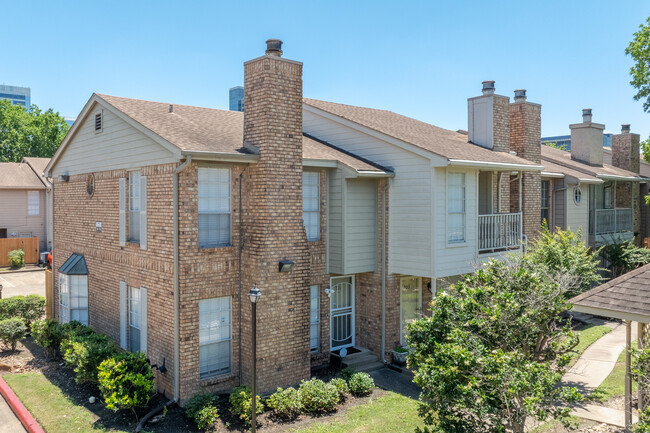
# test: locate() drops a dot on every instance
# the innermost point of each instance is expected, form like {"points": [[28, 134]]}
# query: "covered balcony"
{"points": [[611, 212], [497, 230]]}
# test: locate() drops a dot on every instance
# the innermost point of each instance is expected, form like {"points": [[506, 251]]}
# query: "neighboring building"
{"points": [[346, 218], [26, 201], [581, 191], [236, 98], [69, 120], [565, 140], [17, 95]]}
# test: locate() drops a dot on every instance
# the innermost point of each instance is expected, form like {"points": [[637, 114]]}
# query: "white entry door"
{"points": [[342, 312], [410, 303]]}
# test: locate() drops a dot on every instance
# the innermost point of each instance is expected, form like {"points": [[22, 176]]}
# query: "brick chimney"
{"points": [[625, 150], [587, 140], [489, 119], [273, 225], [526, 139]]}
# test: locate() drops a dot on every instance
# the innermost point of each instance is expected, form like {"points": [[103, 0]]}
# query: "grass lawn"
{"points": [[588, 335], [389, 413], [54, 411], [614, 385]]}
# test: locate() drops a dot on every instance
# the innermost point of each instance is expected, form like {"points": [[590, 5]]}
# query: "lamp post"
{"points": [[254, 295]]}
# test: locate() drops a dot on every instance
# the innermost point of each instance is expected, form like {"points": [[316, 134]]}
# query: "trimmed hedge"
{"points": [[361, 384], [84, 353], [29, 308], [285, 404], [47, 334], [317, 396], [126, 381], [202, 408]]}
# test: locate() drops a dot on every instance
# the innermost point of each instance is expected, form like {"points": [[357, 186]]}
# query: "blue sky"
{"points": [[421, 59]]}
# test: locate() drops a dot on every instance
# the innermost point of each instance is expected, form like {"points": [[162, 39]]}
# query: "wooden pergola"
{"points": [[627, 298]]}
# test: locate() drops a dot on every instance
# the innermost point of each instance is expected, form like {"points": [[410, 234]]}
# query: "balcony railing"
{"points": [[613, 221], [499, 231]]}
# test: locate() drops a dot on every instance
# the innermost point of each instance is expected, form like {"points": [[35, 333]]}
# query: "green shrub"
{"points": [[17, 258], [285, 404], [75, 328], [240, 403], [341, 386], [347, 373], [85, 353], [202, 408], [318, 397], [126, 381], [47, 334], [361, 384], [12, 330], [29, 308]]}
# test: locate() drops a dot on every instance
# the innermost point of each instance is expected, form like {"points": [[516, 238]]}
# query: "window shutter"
{"points": [[143, 320], [123, 315], [143, 212], [122, 211]]}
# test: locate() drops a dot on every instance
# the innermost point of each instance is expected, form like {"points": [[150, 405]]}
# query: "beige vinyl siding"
{"points": [[410, 223], [559, 204], [460, 258], [577, 216], [13, 215], [117, 146], [335, 221], [361, 226]]}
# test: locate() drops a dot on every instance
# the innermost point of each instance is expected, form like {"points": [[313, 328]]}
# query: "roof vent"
{"points": [[586, 115], [488, 87], [520, 95], [98, 122], [171, 108], [625, 128], [274, 47]]}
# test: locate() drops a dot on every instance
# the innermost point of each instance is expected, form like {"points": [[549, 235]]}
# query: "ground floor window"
{"points": [[315, 319], [135, 316], [215, 337], [73, 298]]}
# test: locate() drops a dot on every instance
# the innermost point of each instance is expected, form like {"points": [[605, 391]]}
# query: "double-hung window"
{"points": [[33, 203], [214, 336], [311, 204], [315, 319], [455, 208], [214, 207], [545, 200], [73, 298], [135, 316], [134, 207]]}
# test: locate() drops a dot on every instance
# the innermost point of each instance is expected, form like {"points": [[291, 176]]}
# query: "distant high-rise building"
{"points": [[237, 98], [69, 120], [565, 140], [17, 95]]}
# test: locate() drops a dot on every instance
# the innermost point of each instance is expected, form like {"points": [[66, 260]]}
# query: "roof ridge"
{"points": [[103, 96]]}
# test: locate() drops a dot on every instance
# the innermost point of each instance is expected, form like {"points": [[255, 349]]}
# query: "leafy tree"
{"points": [[493, 351], [623, 256], [554, 145], [639, 50], [30, 132]]}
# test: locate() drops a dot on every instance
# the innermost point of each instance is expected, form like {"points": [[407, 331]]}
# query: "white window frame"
{"points": [[211, 324], [577, 195], [311, 182], [546, 184], [64, 298], [68, 304], [135, 206], [222, 210], [314, 342], [33, 208], [135, 317], [463, 241]]}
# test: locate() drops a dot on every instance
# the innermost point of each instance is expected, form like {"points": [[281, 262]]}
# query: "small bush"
{"points": [[29, 308], [285, 404], [126, 381], [361, 384], [12, 330], [240, 403], [17, 258], [47, 334], [318, 397], [85, 353], [75, 328], [347, 373], [341, 386], [202, 408]]}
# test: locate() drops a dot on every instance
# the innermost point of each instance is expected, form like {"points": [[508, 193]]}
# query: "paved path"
{"points": [[401, 383], [22, 283], [8, 421]]}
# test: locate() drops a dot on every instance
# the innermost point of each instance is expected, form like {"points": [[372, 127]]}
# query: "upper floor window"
{"points": [[134, 206], [214, 207], [545, 200], [455, 208], [311, 204], [33, 203]]}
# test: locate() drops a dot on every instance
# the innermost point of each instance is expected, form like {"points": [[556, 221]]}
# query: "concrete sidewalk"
{"points": [[8, 421]]}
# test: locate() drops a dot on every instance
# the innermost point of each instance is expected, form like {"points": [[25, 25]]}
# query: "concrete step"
{"points": [[355, 362], [367, 368], [362, 351]]}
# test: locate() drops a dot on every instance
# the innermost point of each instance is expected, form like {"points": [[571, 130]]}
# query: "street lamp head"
{"points": [[255, 294]]}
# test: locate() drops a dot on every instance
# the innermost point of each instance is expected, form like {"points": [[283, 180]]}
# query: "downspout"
{"points": [[241, 246], [383, 272], [177, 310], [52, 235]]}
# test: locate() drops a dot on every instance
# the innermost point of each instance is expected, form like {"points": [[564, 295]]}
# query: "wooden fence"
{"points": [[28, 245], [49, 313]]}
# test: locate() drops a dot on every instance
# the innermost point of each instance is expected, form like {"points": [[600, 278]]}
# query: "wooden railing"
{"points": [[499, 231], [28, 245], [613, 221]]}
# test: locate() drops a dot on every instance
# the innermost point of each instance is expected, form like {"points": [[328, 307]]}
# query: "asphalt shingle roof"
{"points": [[18, 175], [562, 158]]}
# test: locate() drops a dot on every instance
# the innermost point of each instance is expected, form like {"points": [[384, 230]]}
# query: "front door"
{"points": [[410, 303], [342, 312]]}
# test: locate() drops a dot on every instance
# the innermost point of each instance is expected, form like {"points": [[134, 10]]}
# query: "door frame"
{"points": [[419, 307], [352, 314]]}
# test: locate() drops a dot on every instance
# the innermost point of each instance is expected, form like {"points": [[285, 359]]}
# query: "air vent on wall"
{"points": [[98, 122]]}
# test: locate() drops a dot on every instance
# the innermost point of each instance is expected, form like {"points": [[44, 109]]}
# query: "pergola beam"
{"points": [[628, 375]]}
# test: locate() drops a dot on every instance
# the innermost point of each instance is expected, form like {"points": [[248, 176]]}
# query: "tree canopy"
{"points": [[30, 132], [639, 50]]}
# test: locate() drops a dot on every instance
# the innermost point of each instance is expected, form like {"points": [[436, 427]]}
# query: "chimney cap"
{"points": [[625, 128], [586, 115], [520, 95], [488, 87], [274, 47]]}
